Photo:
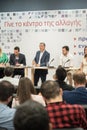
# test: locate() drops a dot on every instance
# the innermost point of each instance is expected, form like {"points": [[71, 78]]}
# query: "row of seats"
{"points": [[54, 129]]}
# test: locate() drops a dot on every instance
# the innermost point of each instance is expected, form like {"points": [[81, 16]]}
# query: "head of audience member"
{"points": [[8, 71], [42, 46], [60, 74], [16, 51], [25, 89], [85, 50], [51, 91], [6, 92], [79, 78], [65, 50], [31, 115]]}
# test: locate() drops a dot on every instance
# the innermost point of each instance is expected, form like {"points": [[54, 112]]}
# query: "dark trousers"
{"points": [[19, 72], [39, 73]]}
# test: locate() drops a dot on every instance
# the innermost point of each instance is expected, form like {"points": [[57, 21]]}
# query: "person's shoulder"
{"points": [[66, 86], [77, 106], [4, 54], [70, 87], [21, 54], [74, 106], [46, 52], [70, 55], [67, 93], [38, 98], [12, 54], [9, 111], [38, 51]]}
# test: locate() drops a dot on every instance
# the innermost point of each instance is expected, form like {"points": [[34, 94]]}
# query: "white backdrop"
{"points": [[54, 27]]}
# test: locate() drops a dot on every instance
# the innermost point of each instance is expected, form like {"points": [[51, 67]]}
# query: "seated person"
{"points": [[3, 61], [32, 116], [60, 76], [6, 113], [62, 115], [26, 91], [8, 72], [79, 95], [17, 59]]}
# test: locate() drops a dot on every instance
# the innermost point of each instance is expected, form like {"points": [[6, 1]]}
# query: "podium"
{"points": [[44, 68], [16, 67]]}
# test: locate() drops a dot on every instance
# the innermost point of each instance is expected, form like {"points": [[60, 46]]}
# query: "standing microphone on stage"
{"points": [[50, 62]]}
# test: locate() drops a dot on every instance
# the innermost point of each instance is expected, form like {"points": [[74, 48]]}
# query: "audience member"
{"points": [[41, 59], [18, 59], [8, 72], [60, 76], [62, 115], [79, 95], [66, 59], [31, 116], [25, 92], [6, 113]]}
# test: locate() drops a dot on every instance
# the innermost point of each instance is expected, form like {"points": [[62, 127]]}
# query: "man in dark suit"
{"points": [[17, 59], [41, 59]]}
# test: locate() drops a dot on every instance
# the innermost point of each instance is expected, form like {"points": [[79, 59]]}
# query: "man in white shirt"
{"points": [[66, 59]]}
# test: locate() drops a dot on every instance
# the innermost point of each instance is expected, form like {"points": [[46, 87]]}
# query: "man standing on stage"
{"points": [[66, 59], [41, 59]]}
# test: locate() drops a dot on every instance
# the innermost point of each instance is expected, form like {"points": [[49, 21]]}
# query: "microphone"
{"points": [[50, 62], [66, 62]]}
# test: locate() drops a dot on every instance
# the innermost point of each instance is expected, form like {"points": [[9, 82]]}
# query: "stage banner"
{"points": [[54, 27]]}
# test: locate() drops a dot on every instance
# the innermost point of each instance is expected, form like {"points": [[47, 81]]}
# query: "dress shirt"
{"points": [[62, 115], [6, 116], [66, 61], [41, 54]]}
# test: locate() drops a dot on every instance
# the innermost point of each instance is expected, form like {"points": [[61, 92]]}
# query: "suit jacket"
{"points": [[43, 62], [44, 59], [21, 60]]}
